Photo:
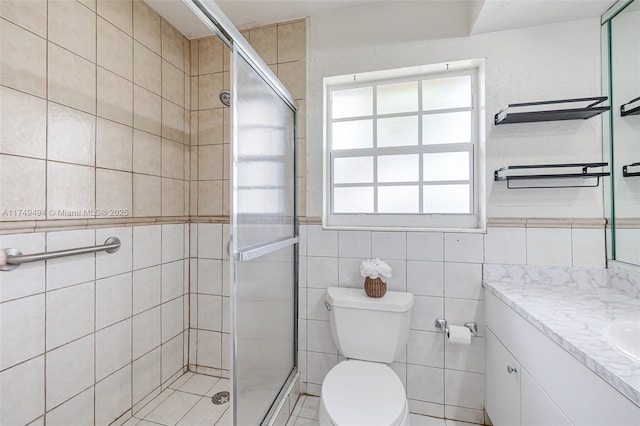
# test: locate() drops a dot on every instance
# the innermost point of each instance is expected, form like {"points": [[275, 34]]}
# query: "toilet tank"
{"points": [[367, 328]]}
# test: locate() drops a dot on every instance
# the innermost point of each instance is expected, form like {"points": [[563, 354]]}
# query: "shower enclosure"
{"points": [[263, 241]]}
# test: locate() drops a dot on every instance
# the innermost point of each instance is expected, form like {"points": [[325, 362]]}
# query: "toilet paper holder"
{"points": [[441, 324]]}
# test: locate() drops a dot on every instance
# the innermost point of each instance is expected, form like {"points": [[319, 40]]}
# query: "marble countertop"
{"points": [[573, 316]]}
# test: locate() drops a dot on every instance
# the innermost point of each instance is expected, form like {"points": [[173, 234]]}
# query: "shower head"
{"points": [[225, 97]]}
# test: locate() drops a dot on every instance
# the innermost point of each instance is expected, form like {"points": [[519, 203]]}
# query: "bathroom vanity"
{"points": [[548, 361]]}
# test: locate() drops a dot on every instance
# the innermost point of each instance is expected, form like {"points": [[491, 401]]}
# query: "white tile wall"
{"points": [[425, 278], [549, 246], [113, 299], [104, 324], [78, 410], [22, 326], [29, 278], [66, 271], [141, 311], [146, 331], [146, 288], [69, 314], [209, 299], [354, 244], [444, 272], [505, 245], [22, 392], [114, 394], [588, 248], [113, 348], [147, 248], [69, 370], [389, 245], [109, 264]]}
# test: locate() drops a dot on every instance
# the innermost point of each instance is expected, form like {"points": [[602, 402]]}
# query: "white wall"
{"points": [[542, 63]]}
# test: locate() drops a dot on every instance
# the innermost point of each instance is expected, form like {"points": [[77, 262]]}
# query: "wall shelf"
{"points": [[504, 116], [553, 172], [630, 108], [627, 173]]}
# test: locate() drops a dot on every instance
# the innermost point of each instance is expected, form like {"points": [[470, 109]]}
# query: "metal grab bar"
{"points": [[11, 258]]}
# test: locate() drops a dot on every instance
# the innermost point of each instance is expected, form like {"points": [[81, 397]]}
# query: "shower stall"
{"points": [[263, 239], [170, 155]]}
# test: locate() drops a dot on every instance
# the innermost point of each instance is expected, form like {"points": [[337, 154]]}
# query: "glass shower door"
{"points": [[264, 243]]}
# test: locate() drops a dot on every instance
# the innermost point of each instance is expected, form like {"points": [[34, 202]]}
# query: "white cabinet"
{"points": [[531, 380], [503, 387], [513, 397], [536, 407]]}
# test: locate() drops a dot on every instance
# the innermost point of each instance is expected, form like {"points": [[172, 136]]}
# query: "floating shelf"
{"points": [[627, 173], [590, 110], [631, 108], [582, 172]]}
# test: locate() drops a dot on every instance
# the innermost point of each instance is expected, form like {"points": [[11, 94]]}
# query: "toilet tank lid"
{"points": [[392, 301]]}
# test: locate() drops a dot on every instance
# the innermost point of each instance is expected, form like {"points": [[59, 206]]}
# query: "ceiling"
{"points": [[480, 16]]}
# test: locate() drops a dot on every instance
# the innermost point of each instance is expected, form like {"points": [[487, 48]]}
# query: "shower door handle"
{"points": [[252, 253]]}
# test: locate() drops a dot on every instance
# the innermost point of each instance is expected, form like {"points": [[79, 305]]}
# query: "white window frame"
{"points": [[474, 221]]}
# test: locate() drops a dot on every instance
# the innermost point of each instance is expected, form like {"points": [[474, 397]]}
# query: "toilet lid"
{"points": [[363, 393]]}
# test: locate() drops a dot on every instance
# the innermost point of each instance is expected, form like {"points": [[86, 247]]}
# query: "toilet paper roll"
{"points": [[458, 335]]}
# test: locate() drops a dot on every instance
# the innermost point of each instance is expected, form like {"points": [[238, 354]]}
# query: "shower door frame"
{"points": [[214, 18]]}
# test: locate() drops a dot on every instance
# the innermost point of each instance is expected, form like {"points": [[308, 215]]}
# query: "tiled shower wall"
{"points": [[209, 294], [444, 272], [89, 339], [283, 48], [94, 100]]}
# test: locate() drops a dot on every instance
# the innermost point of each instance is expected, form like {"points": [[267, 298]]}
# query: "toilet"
{"points": [[371, 333]]}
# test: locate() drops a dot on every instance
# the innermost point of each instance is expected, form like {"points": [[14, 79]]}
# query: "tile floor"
{"points": [[305, 413], [186, 402]]}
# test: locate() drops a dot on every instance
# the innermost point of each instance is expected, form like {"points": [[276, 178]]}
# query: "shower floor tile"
{"points": [[187, 402]]}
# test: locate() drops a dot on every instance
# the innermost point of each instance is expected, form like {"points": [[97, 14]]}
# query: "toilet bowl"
{"points": [[363, 393], [371, 333]]}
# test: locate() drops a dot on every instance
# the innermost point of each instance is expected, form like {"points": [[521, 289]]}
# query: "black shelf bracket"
{"points": [[630, 108], [627, 173], [582, 172], [504, 116]]}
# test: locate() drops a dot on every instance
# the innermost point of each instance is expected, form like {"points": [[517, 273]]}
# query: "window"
{"points": [[401, 152]]}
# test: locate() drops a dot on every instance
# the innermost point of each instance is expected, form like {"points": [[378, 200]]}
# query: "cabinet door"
{"points": [[536, 408], [503, 384]]}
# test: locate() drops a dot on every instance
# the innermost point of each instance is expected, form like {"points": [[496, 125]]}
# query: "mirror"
{"points": [[621, 132]]}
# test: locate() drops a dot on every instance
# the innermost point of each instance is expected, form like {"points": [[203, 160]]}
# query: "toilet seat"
{"points": [[363, 393]]}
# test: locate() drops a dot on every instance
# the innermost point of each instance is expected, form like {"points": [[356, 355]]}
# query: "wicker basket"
{"points": [[374, 287]]}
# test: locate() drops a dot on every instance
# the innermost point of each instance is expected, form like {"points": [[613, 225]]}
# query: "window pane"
{"points": [[353, 200], [452, 127], [398, 168], [398, 131], [352, 102], [398, 199], [399, 97], [445, 166], [446, 199], [352, 134], [450, 92], [353, 170]]}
